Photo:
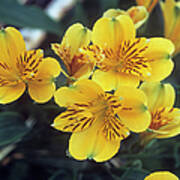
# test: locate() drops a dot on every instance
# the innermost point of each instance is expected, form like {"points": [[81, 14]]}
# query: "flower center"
{"points": [[80, 116], [28, 63], [161, 117], [127, 58]]}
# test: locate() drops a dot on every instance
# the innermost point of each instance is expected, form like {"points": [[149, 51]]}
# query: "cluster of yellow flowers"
{"points": [[113, 76]]}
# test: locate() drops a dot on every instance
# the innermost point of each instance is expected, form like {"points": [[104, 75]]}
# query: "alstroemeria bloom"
{"points": [[171, 12], [20, 68], [149, 4], [138, 14], [161, 175], [165, 121], [123, 59], [77, 63], [99, 120]]}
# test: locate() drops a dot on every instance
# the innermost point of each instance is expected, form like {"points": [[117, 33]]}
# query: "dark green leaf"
{"points": [[134, 174], [26, 16], [12, 128]]}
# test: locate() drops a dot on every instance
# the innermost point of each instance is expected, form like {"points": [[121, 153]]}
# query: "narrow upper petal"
{"points": [[81, 91], [91, 144], [11, 93], [12, 44], [110, 32], [75, 37], [134, 113]]}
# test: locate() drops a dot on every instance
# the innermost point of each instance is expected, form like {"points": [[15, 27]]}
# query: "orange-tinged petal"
{"points": [[113, 80], [158, 95], [138, 14], [41, 92], [134, 113], [81, 91], [161, 175], [12, 44], [110, 32], [9, 94], [96, 147], [75, 37]]}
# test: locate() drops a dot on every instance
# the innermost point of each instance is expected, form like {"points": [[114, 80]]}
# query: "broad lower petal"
{"points": [[41, 92], [11, 93], [113, 80], [134, 113], [91, 144]]}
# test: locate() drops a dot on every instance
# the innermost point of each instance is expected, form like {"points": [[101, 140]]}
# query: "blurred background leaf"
{"points": [[11, 12]]}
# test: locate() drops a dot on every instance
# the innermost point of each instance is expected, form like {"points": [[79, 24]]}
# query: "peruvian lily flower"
{"points": [[171, 12], [20, 68], [99, 120], [149, 4], [165, 119], [78, 64], [123, 59], [161, 175], [138, 14]]}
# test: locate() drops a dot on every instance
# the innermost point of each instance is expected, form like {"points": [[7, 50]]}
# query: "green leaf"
{"points": [[134, 174], [12, 128], [13, 13]]}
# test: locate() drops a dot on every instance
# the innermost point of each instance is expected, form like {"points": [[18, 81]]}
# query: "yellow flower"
{"points": [[138, 14], [171, 12], [99, 120], [165, 121], [19, 67], [149, 4], [161, 175], [77, 63], [123, 59]]}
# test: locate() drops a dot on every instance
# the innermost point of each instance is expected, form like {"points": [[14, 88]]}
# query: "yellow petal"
{"points": [[12, 44], [91, 144], [81, 91], [158, 48], [110, 32], [158, 95], [160, 69], [41, 92], [161, 175], [49, 68], [134, 113], [9, 94], [74, 120], [110, 13], [113, 80], [75, 37]]}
